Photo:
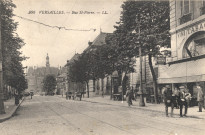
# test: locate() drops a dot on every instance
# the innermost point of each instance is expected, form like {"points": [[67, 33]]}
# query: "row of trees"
{"points": [[151, 21], [13, 70]]}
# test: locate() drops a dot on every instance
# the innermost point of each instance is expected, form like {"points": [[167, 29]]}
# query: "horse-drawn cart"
{"points": [[74, 95]]}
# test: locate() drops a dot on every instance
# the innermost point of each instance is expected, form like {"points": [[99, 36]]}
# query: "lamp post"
{"points": [[113, 81], [141, 102]]}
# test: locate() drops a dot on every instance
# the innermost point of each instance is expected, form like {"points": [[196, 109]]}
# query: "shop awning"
{"points": [[190, 71]]}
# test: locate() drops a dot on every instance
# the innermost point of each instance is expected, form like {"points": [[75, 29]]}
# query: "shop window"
{"points": [[199, 46], [196, 46], [185, 11]]}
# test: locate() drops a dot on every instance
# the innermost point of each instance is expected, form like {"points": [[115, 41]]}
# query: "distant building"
{"points": [[73, 86], [97, 86], [35, 76], [62, 81]]}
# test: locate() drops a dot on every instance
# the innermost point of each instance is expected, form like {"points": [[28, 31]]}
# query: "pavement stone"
{"points": [[10, 109], [192, 111]]}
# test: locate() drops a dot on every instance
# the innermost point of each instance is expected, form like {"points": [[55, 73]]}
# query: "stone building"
{"points": [[99, 85], [62, 83], [71, 86], [187, 62]]}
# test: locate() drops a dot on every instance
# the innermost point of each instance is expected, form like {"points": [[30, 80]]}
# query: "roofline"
{"points": [[99, 35]]}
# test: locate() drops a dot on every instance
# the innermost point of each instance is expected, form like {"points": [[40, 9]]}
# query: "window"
{"points": [[196, 46], [185, 7], [185, 11], [203, 3], [199, 46], [202, 7]]}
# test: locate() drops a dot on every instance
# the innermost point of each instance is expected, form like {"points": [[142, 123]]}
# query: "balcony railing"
{"points": [[185, 18]]}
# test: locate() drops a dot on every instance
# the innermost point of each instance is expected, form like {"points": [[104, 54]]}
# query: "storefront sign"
{"points": [[192, 29], [161, 60]]}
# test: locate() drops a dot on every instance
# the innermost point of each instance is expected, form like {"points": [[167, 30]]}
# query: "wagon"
{"points": [[69, 95], [78, 95], [117, 97]]}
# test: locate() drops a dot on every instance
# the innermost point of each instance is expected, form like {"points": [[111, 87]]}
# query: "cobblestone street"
{"points": [[54, 115]]}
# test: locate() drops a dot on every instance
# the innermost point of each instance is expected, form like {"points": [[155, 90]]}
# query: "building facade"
{"points": [[35, 76], [62, 81], [187, 62], [99, 86], [71, 86]]}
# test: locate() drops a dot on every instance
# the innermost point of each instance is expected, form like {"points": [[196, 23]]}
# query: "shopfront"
{"points": [[187, 65]]}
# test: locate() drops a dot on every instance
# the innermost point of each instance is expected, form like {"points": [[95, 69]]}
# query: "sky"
{"points": [[62, 44]]}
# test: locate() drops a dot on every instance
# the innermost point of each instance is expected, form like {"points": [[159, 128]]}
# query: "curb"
{"points": [[145, 108], [11, 114]]}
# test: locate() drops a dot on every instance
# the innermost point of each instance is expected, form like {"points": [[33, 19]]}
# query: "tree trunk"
{"points": [[111, 88], [83, 87], [102, 84], [93, 84], [2, 109], [124, 88], [87, 88], [154, 78]]}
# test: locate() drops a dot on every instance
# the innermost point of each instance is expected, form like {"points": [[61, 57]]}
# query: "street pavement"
{"points": [[10, 109], [54, 115]]}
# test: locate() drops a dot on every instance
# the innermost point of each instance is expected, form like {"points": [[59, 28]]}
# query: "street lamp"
{"points": [[141, 102], [113, 82]]}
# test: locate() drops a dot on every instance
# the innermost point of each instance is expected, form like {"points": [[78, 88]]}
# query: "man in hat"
{"points": [[167, 94], [184, 97]]}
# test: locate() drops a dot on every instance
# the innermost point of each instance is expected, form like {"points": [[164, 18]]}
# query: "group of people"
{"points": [[181, 98]]}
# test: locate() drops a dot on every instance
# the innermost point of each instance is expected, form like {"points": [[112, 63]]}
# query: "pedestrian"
{"points": [[128, 96], [200, 97], [66, 95], [187, 96], [167, 94], [16, 97], [9, 94], [103, 93], [184, 99], [176, 97], [31, 95]]}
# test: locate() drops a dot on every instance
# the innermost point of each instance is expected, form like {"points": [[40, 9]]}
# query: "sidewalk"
{"points": [[192, 111], [10, 109]]}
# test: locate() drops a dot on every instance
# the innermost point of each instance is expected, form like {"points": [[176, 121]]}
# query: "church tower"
{"points": [[47, 61], [47, 65]]}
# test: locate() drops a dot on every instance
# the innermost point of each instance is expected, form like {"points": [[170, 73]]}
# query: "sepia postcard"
{"points": [[102, 67]]}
